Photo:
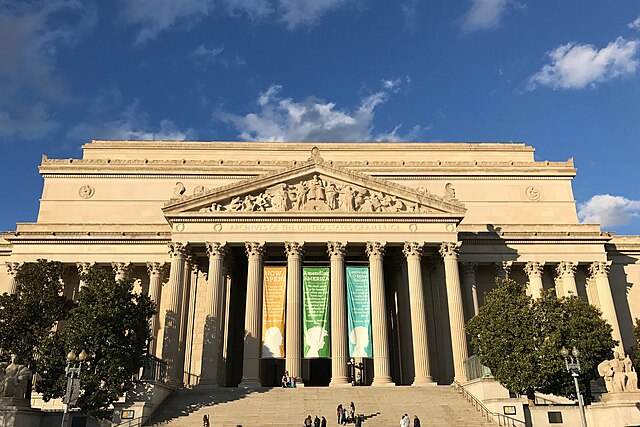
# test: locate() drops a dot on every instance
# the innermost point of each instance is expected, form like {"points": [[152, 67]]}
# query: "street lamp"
{"points": [[573, 367], [74, 364]]}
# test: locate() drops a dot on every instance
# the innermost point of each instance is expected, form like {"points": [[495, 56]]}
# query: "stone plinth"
{"points": [[622, 396], [18, 413]]}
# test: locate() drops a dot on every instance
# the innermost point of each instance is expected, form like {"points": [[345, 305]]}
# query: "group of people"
{"points": [[405, 421], [316, 422], [288, 381], [348, 415]]}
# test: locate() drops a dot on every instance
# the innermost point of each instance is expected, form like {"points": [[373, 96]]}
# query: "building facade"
{"points": [[205, 227]]}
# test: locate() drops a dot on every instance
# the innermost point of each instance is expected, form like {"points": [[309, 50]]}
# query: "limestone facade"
{"points": [[195, 222]]}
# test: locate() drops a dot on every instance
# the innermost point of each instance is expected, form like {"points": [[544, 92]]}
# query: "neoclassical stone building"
{"points": [[197, 225]]}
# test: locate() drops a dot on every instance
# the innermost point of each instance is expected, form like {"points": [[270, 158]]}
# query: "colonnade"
{"points": [[177, 293]]}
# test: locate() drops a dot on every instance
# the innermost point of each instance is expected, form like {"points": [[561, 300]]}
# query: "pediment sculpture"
{"points": [[14, 379], [316, 194], [619, 374]]}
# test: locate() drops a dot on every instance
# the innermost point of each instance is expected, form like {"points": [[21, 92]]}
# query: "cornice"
{"points": [[375, 218], [535, 237]]}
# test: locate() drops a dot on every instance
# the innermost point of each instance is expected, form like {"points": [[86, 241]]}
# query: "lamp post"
{"points": [[572, 363], [74, 364]]}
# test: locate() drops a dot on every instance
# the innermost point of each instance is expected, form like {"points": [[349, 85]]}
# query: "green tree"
{"points": [[636, 350], [520, 339], [27, 317], [111, 323]]}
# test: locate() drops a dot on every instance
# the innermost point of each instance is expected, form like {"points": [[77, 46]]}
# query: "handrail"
{"points": [[139, 422], [503, 420]]}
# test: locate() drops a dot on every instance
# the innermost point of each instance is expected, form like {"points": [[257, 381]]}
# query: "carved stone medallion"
{"points": [[86, 191], [532, 193]]}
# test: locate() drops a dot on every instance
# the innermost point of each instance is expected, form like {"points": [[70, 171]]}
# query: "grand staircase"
{"points": [[435, 406]]}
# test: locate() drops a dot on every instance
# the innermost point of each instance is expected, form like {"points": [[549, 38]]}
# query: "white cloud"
{"points": [[156, 16], [312, 119], [576, 66], [483, 15], [609, 211], [635, 24], [131, 124], [409, 12], [296, 13], [30, 36]]}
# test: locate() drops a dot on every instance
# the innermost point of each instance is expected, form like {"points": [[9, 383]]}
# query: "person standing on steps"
{"points": [[416, 421], [404, 421], [308, 422], [339, 413], [205, 420], [323, 422], [316, 422]]}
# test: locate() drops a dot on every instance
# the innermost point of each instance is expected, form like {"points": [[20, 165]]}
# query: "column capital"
{"points": [[336, 249], [413, 250], [12, 267], [534, 268], [503, 269], [216, 249], [469, 268], [375, 249], [84, 267], [566, 269], [450, 249], [177, 249], [156, 268], [121, 268], [254, 249], [599, 269], [293, 249]]}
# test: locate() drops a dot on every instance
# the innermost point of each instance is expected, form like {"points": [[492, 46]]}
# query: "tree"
{"points": [[520, 339], [27, 317], [636, 350], [111, 323]]}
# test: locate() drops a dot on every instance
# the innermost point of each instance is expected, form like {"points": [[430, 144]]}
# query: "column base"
{"points": [[340, 382], [383, 382], [424, 382], [248, 383]]}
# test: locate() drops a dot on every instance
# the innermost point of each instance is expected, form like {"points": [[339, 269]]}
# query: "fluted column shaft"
{"points": [[600, 273], [413, 252], [404, 322], [381, 366], [534, 270], [470, 270], [339, 339], [12, 269], [172, 312], [293, 325], [567, 273], [449, 252], [212, 336], [156, 271], [253, 316], [189, 267], [83, 268]]}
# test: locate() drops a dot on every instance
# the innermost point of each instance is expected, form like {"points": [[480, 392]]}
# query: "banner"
{"points": [[315, 289], [359, 309], [274, 298]]}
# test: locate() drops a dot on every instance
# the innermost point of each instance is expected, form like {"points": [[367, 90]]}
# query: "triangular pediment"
{"points": [[314, 186]]}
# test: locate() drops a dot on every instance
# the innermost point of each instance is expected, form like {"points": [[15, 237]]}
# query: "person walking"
{"points": [[404, 421], [339, 413], [416, 421], [205, 420]]}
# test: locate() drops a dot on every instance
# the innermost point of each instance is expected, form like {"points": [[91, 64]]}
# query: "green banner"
{"points": [[359, 307], [315, 288]]}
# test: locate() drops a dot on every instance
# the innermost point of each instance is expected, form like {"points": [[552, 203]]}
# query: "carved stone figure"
{"points": [[179, 189], [449, 191], [14, 380], [301, 191], [332, 196], [605, 371], [316, 189], [632, 377], [236, 204], [619, 374], [347, 198]]}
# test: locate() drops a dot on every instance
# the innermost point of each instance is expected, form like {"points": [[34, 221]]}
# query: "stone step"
{"points": [[434, 405]]}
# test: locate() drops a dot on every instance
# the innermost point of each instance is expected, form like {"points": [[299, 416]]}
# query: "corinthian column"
{"points": [[469, 270], [567, 273], [121, 269], [381, 368], [12, 269], [212, 336], [252, 321], [413, 252], [293, 332], [534, 271], [156, 271], [599, 271], [449, 252], [83, 268], [339, 344], [171, 336]]}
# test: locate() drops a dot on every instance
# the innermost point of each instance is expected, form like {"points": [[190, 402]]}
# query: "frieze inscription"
{"points": [[331, 228]]}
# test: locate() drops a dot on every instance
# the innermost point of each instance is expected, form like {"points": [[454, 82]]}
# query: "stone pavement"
{"points": [[435, 405]]}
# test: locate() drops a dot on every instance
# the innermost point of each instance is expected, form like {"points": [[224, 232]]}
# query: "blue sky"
{"points": [[561, 76]]}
